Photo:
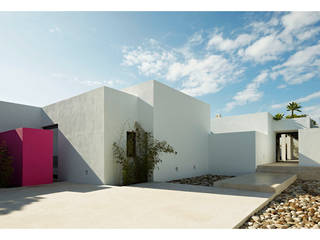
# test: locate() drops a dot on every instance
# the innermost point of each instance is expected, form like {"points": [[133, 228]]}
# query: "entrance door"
{"points": [[54, 128], [287, 147]]}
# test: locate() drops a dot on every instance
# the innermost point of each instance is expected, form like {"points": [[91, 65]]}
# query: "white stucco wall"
{"points": [[248, 122], [266, 145], [309, 147], [120, 113], [145, 98], [181, 120], [145, 91], [287, 125], [232, 153], [14, 116], [260, 123], [265, 148], [89, 124], [184, 122], [80, 136]]}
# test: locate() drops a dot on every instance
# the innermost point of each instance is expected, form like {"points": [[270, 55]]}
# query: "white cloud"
{"points": [[93, 83], [197, 75], [202, 76], [265, 49], [301, 66], [62, 77], [309, 97], [282, 86], [297, 27], [217, 41], [250, 94], [198, 71], [110, 83], [299, 100], [196, 38], [150, 60], [55, 29], [305, 56], [308, 34], [297, 20], [187, 49], [265, 27], [313, 112]]}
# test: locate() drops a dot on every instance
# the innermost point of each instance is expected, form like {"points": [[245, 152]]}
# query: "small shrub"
{"points": [[6, 169], [296, 116], [278, 116], [139, 168], [314, 123]]}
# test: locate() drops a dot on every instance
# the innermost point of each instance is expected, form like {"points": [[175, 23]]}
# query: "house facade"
{"points": [[241, 143], [85, 127]]}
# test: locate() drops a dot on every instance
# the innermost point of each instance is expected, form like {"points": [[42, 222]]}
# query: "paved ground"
{"points": [[259, 182], [149, 205]]}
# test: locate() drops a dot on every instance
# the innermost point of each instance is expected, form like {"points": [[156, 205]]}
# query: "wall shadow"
{"points": [[71, 165], [307, 160], [15, 199]]}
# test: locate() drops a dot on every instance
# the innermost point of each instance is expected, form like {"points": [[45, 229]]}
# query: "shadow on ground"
{"points": [[14, 199]]}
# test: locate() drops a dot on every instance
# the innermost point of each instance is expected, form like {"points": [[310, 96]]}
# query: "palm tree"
{"points": [[293, 106]]}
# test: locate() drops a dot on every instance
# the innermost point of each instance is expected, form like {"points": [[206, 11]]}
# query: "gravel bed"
{"points": [[296, 207], [204, 180]]}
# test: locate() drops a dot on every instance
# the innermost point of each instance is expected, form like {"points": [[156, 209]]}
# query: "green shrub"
{"points": [[278, 116], [295, 116], [314, 123], [139, 168], [6, 169]]}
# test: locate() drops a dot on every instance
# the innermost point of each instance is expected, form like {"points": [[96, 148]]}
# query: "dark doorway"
{"points": [[54, 128], [287, 147]]}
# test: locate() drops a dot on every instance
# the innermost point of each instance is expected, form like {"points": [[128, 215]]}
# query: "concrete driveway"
{"points": [[149, 205]]}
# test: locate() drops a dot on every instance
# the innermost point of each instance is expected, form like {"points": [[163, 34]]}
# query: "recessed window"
{"points": [[55, 161], [131, 144]]}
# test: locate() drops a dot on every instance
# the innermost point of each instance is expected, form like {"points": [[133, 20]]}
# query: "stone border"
{"points": [[296, 207], [203, 180]]}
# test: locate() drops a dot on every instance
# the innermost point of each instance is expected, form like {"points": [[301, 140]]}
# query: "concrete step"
{"points": [[259, 182], [288, 168], [304, 173]]}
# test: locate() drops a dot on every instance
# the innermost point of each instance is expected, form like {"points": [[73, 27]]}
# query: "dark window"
{"points": [[55, 161], [131, 144], [53, 126]]}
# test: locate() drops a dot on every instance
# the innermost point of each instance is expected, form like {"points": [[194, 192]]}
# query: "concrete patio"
{"points": [[259, 182], [149, 205]]}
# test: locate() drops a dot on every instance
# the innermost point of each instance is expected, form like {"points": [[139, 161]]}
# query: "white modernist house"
{"points": [[85, 127], [238, 144]]}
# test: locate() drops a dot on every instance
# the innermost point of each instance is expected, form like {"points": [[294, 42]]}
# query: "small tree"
{"points": [[140, 167], [293, 106], [6, 169], [278, 116]]}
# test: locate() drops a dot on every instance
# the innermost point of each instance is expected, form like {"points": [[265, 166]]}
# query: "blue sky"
{"points": [[238, 62]]}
